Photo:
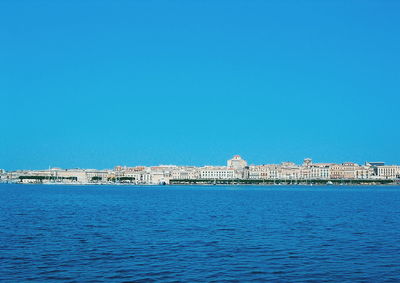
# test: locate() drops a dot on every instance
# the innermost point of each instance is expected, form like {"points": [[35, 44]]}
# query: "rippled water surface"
{"points": [[121, 233]]}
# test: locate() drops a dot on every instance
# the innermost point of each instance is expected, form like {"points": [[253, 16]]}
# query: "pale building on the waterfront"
{"points": [[388, 171], [263, 172], [289, 171], [364, 172], [237, 163], [320, 171], [137, 176], [58, 175], [257, 172], [186, 173], [213, 172], [284, 171], [350, 170]]}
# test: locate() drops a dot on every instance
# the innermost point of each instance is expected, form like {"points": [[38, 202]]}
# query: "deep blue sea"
{"points": [[199, 234]]}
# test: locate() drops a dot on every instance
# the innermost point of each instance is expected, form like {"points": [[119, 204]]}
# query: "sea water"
{"points": [[199, 233]]}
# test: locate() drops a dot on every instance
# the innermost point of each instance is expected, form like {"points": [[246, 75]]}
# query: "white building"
{"points": [[284, 171], [140, 175], [237, 163], [388, 171], [212, 172], [320, 171]]}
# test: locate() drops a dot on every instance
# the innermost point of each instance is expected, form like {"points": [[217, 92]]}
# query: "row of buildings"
{"points": [[236, 169]]}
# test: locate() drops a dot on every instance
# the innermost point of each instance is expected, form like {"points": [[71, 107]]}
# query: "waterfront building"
{"points": [[185, 173], [289, 171], [94, 175], [270, 172], [274, 172], [336, 172], [348, 170], [148, 175], [259, 172], [388, 171], [213, 172], [83, 176], [57, 175], [374, 166], [305, 173], [284, 171], [159, 177], [315, 171], [138, 177], [237, 163], [320, 171], [162, 173], [364, 173]]}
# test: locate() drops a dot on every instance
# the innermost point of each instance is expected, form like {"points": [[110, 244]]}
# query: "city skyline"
{"points": [[221, 163], [236, 170], [191, 83]]}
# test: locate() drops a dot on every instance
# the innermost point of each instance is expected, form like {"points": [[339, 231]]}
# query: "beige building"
{"points": [[186, 173], [388, 171], [364, 172], [289, 171], [284, 171], [138, 177], [58, 175], [347, 170]]}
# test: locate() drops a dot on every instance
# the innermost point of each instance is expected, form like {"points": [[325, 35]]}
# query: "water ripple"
{"points": [[113, 234]]}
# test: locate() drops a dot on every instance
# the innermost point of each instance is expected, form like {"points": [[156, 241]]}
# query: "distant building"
{"points": [[307, 162], [185, 173], [346, 170], [259, 172], [212, 172], [237, 163], [388, 171], [321, 171], [364, 172]]}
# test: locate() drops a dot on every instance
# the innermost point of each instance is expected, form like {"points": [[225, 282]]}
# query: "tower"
{"points": [[237, 163]]}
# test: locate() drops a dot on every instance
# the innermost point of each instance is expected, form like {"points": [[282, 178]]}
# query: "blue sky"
{"points": [[101, 83]]}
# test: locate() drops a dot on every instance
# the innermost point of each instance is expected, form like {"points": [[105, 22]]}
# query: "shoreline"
{"points": [[392, 184]]}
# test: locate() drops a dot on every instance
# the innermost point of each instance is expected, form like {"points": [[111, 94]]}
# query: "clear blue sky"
{"points": [[101, 83]]}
